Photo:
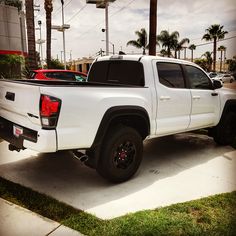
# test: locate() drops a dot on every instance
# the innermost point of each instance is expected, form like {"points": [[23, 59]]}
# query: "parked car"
{"points": [[212, 74], [224, 78], [55, 74]]}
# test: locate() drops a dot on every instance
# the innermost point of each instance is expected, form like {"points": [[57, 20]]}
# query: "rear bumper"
{"points": [[41, 140]]}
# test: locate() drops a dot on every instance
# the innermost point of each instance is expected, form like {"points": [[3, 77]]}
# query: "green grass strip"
{"points": [[214, 215]]}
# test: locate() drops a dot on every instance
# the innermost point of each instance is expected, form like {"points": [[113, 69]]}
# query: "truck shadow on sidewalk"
{"points": [[63, 177]]}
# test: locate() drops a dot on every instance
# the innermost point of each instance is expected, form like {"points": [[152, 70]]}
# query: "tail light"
{"points": [[49, 111]]}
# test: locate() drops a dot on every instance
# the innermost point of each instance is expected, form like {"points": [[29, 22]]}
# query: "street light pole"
{"points": [[103, 4], [63, 33], [107, 32], [40, 44]]}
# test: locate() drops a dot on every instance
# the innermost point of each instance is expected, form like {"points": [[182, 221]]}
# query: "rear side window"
{"points": [[117, 72], [170, 75], [197, 79], [60, 75]]}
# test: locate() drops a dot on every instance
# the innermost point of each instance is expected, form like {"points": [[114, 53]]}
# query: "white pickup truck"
{"points": [[126, 100]]}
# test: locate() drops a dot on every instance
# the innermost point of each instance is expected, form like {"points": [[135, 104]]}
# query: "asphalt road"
{"points": [[174, 169]]}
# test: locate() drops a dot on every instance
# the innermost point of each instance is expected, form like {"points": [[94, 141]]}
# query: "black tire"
{"points": [[121, 154], [225, 131]]}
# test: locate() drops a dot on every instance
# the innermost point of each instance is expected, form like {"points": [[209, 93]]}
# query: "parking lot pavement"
{"points": [[174, 169]]}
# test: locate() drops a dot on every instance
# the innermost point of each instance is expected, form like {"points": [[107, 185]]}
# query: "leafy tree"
{"points": [[163, 53], [232, 64], [14, 3], [221, 49], [208, 59], [48, 8], [152, 27], [56, 64], [10, 66], [29, 7], [192, 47], [141, 42], [214, 33], [168, 41], [202, 63]]}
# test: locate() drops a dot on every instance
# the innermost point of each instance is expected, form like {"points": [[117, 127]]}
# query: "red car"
{"points": [[55, 74]]}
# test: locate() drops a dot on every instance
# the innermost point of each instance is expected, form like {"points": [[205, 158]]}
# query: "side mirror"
{"points": [[217, 84]]}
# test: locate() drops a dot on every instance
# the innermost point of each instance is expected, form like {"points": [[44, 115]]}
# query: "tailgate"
{"points": [[19, 103]]}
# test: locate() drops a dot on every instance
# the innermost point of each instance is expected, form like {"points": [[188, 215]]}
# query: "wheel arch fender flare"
{"points": [[123, 115]]}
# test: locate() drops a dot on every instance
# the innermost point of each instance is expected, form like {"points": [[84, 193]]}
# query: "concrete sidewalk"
{"points": [[18, 221]]}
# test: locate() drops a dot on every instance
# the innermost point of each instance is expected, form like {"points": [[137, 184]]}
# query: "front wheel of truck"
{"points": [[225, 131], [120, 154]]}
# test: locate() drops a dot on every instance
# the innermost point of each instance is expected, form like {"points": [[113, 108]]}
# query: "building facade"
{"points": [[82, 64], [12, 31]]}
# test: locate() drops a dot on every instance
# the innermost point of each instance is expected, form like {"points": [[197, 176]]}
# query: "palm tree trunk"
{"points": [[48, 8], [152, 27], [224, 59], [168, 52], [192, 55], [214, 54], [29, 7], [221, 54], [48, 23]]}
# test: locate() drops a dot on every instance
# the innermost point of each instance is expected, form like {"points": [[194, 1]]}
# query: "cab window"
{"points": [[197, 78], [117, 72], [170, 75]]}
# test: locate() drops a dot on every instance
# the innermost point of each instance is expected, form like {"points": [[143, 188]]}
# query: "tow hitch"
{"points": [[13, 148]]}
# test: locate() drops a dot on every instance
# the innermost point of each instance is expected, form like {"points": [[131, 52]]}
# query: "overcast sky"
{"points": [[190, 18]]}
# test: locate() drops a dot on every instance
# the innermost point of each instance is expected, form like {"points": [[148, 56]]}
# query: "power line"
{"points": [[122, 8], [54, 12], [81, 9], [202, 44]]}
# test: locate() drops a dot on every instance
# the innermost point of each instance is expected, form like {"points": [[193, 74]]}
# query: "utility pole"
{"points": [[152, 27], [103, 4]]}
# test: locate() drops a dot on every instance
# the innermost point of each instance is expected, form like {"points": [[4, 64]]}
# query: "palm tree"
{"points": [[141, 42], [169, 41], [180, 46], [214, 32], [29, 8], [48, 8], [192, 47], [209, 59], [221, 49], [152, 27]]}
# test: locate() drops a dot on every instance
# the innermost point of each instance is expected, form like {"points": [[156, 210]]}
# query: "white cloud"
{"points": [[190, 18]]}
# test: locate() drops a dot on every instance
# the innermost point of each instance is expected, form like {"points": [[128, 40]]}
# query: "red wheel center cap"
{"points": [[123, 155]]}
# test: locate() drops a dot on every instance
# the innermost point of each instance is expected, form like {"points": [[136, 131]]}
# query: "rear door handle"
{"points": [[196, 97], [164, 98], [214, 94]]}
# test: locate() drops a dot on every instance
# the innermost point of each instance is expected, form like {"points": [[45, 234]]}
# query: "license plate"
{"points": [[17, 131]]}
